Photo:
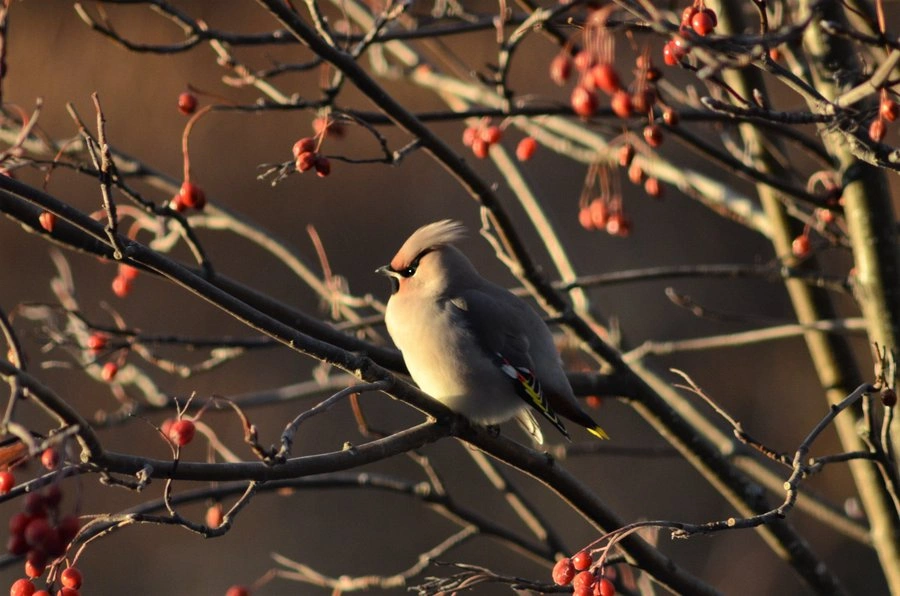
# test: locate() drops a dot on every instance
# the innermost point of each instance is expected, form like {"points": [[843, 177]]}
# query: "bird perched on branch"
{"points": [[471, 344]]}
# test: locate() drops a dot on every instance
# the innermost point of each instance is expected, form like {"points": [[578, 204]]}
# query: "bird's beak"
{"points": [[392, 275], [386, 270]]}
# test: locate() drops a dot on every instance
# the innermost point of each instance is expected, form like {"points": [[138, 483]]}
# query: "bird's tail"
{"points": [[597, 432]]}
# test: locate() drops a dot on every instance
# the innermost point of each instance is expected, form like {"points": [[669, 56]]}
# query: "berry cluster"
{"points": [[594, 64], [480, 138], [306, 150], [602, 209], [822, 217], [576, 571], [97, 341], [307, 157], [888, 111], [696, 18], [41, 533]]}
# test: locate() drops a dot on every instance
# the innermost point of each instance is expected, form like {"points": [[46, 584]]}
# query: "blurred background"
{"points": [[362, 212]]}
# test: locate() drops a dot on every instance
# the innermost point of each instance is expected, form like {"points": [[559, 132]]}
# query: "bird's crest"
{"points": [[435, 234]]}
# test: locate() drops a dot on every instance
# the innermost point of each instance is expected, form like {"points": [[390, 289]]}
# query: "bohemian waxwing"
{"points": [[471, 344]]}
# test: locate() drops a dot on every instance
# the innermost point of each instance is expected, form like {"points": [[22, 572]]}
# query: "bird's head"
{"points": [[427, 262]]}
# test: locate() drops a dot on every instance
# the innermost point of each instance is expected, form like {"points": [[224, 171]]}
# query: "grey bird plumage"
{"points": [[471, 344]]}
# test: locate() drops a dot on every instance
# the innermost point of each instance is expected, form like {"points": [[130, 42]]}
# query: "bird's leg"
{"points": [[493, 429]]}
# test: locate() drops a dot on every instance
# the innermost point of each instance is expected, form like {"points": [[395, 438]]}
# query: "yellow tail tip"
{"points": [[598, 432]]}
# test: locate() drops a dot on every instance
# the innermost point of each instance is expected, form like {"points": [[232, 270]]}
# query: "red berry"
{"points": [[68, 528], [187, 103], [560, 69], [584, 579], [42, 593], [584, 219], [599, 214], [636, 173], [889, 109], [323, 166], [304, 145], [96, 342], [702, 22], [469, 136], [18, 523], [53, 496], [606, 78], [480, 148], [33, 569], [121, 286], [525, 149], [7, 481], [643, 100], [584, 102], [182, 432], [621, 104], [670, 117], [826, 216], [192, 195], [582, 560], [563, 572], [604, 588], [214, 516], [71, 578], [618, 225], [877, 130], [177, 204], [237, 591], [54, 546], [492, 135], [584, 60], [774, 54], [672, 54], [47, 220], [306, 161], [37, 532], [50, 458], [22, 587], [16, 545], [127, 271], [34, 505], [687, 15], [800, 246], [109, 372], [888, 397], [653, 135], [626, 154], [652, 187], [68, 592]]}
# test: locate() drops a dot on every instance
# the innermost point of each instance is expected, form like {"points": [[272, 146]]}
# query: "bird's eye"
{"points": [[409, 271]]}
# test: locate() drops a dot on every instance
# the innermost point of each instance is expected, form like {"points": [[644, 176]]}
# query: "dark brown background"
{"points": [[362, 213]]}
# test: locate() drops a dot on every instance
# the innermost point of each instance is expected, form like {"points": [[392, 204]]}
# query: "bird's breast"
{"points": [[446, 362]]}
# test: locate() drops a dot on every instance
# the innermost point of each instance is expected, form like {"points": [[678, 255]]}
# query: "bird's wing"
{"points": [[491, 323]]}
